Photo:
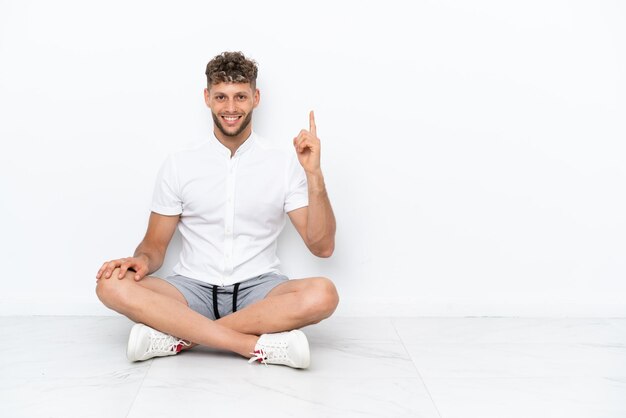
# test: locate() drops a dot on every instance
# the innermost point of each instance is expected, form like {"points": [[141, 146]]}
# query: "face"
{"points": [[231, 105]]}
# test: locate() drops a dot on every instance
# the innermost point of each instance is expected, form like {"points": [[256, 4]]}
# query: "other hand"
{"points": [[138, 264]]}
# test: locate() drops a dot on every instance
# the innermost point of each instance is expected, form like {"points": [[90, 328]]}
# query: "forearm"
{"points": [[321, 225], [153, 256]]}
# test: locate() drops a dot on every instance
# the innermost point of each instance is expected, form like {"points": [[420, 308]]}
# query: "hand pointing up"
{"points": [[307, 146]]}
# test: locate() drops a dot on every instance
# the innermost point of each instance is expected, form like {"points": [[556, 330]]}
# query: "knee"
{"points": [[113, 292], [322, 299]]}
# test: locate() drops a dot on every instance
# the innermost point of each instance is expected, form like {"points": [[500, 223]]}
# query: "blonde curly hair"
{"points": [[231, 67]]}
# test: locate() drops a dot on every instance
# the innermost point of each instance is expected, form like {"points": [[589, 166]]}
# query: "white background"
{"points": [[473, 151]]}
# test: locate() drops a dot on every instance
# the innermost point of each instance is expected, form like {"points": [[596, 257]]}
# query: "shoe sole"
{"points": [[303, 340], [132, 341]]}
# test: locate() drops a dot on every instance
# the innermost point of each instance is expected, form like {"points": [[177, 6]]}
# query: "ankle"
{"points": [[248, 346]]}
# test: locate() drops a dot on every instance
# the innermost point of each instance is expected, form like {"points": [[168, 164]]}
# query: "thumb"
{"points": [[141, 273]]}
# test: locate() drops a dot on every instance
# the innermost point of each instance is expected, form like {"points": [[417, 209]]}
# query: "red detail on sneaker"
{"points": [[261, 355], [179, 347]]}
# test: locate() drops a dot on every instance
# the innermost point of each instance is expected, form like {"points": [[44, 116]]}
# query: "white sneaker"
{"points": [[287, 348], [145, 343]]}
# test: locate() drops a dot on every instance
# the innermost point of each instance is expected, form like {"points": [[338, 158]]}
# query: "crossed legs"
{"points": [[160, 305]]}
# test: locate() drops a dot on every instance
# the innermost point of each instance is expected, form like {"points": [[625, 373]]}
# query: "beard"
{"points": [[218, 122]]}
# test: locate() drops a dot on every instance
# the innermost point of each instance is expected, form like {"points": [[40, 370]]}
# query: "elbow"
{"points": [[324, 251], [326, 254]]}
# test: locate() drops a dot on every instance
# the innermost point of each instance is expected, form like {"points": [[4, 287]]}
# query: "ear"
{"points": [[206, 97], [257, 97]]}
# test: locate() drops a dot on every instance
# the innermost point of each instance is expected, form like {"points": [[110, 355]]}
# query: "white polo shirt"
{"points": [[232, 209]]}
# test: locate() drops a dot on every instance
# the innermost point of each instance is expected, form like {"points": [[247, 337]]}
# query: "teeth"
{"points": [[231, 118]]}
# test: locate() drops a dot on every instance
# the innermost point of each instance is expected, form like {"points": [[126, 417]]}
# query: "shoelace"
{"points": [[160, 342], [258, 355]]}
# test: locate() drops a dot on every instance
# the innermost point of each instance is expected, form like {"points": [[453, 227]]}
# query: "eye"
{"points": [[242, 97], [219, 97]]}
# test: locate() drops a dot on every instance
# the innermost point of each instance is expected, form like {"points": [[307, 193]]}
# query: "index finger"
{"points": [[313, 128], [101, 270]]}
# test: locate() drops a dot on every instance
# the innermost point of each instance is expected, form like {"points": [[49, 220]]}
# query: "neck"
{"points": [[232, 142]]}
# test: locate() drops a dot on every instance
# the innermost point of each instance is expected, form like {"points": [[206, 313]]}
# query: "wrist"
{"points": [[144, 257], [315, 175], [315, 180]]}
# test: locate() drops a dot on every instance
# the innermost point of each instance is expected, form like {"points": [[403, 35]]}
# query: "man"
{"points": [[228, 197]]}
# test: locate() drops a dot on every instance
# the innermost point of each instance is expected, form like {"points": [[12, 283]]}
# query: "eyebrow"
{"points": [[245, 93]]}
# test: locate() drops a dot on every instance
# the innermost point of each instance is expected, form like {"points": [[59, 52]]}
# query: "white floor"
{"points": [[370, 367]]}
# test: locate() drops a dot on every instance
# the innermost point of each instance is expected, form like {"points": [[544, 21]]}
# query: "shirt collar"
{"points": [[223, 150]]}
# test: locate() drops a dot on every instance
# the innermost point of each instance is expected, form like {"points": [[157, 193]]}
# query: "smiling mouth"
{"points": [[231, 119]]}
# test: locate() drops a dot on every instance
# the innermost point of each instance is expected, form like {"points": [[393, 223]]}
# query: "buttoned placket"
{"points": [[229, 217], [228, 263]]}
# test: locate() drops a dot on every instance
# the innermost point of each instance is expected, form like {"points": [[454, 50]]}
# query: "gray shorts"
{"points": [[217, 301]]}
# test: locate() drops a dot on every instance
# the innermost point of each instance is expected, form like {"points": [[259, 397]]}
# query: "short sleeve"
{"points": [[166, 199], [297, 195]]}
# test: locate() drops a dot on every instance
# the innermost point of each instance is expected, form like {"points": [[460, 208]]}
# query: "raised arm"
{"points": [[315, 223], [150, 253]]}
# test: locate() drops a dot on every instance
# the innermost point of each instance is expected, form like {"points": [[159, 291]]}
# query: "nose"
{"points": [[230, 106]]}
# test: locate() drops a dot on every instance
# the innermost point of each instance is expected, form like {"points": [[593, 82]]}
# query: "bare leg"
{"points": [[146, 303], [290, 305]]}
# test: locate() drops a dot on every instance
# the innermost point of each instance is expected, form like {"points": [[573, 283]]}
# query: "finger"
{"points": [[99, 274], [302, 144], [295, 144], [123, 269], [109, 269], [122, 272], [141, 273], [303, 135], [298, 140], [313, 128], [113, 265], [307, 139], [308, 145]]}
